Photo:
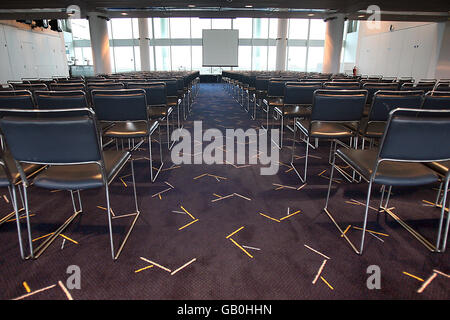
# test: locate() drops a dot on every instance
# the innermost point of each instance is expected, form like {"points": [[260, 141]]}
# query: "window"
{"points": [[296, 58], [260, 28], [298, 29], [259, 61], [221, 24], [317, 29], [245, 58], [197, 25], [273, 28], [180, 28], [162, 54], [121, 29], [161, 26], [124, 59], [181, 58], [315, 59], [244, 25], [272, 58]]}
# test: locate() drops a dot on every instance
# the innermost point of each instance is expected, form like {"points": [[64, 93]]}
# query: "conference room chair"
{"points": [[67, 86], [274, 98], [409, 140], [436, 100], [126, 111], [341, 85], [442, 86], [172, 100], [156, 95], [6, 87], [332, 112], [373, 126], [373, 87], [20, 99], [70, 146], [102, 86], [298, 98], [30, 87], [10, 178]]}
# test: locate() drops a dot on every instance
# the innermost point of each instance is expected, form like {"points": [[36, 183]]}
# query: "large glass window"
{"points": [[317, 29], [162, 55], [121, 29], [296, 58], [259, 60], [197, 25], [221, 24], [245, 58], [244, 25], [169, 49], [161, 26], [180, 28], [260, 28], [315, 59], [181, 58], [298, 29]]}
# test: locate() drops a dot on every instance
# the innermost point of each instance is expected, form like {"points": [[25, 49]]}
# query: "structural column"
{"points": [[333, 44], [144, 44], [98, 30], [281, 44]]}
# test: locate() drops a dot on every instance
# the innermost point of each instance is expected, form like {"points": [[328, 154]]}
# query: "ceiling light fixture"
{"points": [[249, 6], [310, 14]]}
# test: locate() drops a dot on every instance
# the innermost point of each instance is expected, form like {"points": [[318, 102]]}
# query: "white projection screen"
{"points": [[220, 48]]}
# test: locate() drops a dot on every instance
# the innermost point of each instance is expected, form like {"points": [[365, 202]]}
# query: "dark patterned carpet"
{"points": [[269, 257]]}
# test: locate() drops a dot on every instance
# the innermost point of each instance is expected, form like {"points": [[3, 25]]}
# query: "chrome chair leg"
{"points": [[302, 179]]}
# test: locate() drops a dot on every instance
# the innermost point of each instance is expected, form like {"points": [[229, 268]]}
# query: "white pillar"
{"points": [[333, 44], [281, 44], [98, 30], [144, 44]]}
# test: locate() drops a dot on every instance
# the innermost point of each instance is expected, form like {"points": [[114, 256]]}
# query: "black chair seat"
{"points": [[82, 176], [130, 129], [158, 112], [172, 101], [294, 111], [374, 129], [28, 169], [389, 173], [440, 167], [325, 130], [275, 101]]}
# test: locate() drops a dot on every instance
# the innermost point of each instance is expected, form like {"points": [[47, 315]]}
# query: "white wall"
{"points": [[411, 49], [26, 53]]}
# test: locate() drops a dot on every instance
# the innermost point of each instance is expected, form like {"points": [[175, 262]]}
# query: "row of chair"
{"points": [[397, 124], [55, 140]]}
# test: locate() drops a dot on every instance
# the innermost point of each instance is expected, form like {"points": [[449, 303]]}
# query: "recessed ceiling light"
{"points": [[191, 5], [310, 14], [249, 6], [361, 16], [124, 13]]}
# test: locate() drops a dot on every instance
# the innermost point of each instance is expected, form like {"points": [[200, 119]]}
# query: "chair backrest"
{"points": [[275, 88], [385, 101], [416, 135], [105, 86], [16, 99], [30, 87], [261, 84], [171, 86], [300, 93], [61, 99], [65, 139], [437, 100], [155, 91], [338, 105], [373, 87], [442, 86], [341, 85], [120, 105], [67, 86]]}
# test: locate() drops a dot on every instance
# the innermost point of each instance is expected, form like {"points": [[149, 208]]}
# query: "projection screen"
{"points": [[220, 48]]}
